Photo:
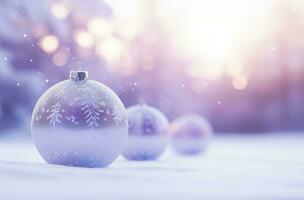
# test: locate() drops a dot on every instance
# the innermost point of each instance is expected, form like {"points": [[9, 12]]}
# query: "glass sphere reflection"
{"points": [[190, 134], [148, 133]]}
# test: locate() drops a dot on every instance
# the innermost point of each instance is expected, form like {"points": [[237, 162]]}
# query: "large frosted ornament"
{"points": [[79, 122], [190, 134], [148, 133]]}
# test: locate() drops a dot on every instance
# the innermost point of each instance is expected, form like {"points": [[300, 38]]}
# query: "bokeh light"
{"points": [[239, 82], [110, 49], [60, 58], [83, 38], [100, 27], [49, 43], [59, 10]]}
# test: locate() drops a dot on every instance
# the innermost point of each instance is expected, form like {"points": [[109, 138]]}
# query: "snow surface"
{"points": [[235, 167]]}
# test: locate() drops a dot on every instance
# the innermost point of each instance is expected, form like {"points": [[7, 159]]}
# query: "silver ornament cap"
{"points": [[79, 75]]}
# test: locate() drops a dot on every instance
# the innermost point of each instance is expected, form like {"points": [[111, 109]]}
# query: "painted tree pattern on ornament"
{"points": [[55, 116], [91, 104], [116, 115], [56, 110]]}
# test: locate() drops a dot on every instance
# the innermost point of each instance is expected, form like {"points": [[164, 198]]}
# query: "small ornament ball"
{"points": [[79, 122], [190, 134], [148, 133]]}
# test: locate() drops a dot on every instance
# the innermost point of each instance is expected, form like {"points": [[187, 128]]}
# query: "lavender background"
{"points": [[134, 53]]}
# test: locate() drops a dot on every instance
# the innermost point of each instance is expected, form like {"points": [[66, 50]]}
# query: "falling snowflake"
{"points": [[55, 116]]}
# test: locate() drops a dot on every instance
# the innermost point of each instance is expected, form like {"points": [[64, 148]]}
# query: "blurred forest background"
{"points": [[239, 63]]}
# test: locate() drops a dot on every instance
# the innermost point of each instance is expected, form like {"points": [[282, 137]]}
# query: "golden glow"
{"points": [[83, 38], [59, 10], [215, 34], [216, 37], [49, 43], [239, 82], [110, 49], [100, 27]]}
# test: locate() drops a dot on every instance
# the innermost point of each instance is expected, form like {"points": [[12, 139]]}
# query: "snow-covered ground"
{"points": [[235, 167]]}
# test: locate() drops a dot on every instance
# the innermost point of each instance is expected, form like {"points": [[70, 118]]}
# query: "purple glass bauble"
{"points": [[148, 133], [190, 134], [79, 122]]}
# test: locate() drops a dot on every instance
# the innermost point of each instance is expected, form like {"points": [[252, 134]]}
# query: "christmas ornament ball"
{"points": [[79, 122], [190, 134], [148, 133]]}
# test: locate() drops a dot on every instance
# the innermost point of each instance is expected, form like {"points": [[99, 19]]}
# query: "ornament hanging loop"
{"points": [[79, 66], [79, 73]]}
